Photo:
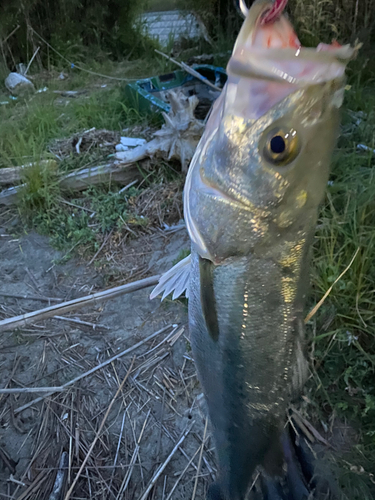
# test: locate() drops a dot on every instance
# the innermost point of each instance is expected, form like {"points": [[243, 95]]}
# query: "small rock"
{"points": [[18, 84]]}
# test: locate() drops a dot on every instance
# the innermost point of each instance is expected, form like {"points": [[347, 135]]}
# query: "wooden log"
{"points": [[123, 173], [81, 180], [9, 196], [14, 175], [11, 175]]}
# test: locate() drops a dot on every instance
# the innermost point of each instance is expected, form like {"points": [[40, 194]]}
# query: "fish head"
{"points": [[263, 162], [278, 163]]}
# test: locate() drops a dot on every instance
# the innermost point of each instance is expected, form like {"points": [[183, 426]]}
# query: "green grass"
{"points": [[101, 211], [27, 129], [343, 385]]}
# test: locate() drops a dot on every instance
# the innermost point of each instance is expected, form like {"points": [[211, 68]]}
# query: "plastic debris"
{"points": [[132, 141], [120, 147], [18, 84], [129, 142], [363, 147]]}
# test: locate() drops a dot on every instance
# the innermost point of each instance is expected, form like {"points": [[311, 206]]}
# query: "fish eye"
{"points": [[281, 146], [277, 144]]}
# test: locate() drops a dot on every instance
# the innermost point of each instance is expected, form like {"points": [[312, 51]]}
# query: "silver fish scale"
{"points": [[258, 309], [250, 373]]}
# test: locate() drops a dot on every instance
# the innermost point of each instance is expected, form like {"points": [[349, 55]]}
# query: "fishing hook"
{"points": [[243, 8], [270, 16]]}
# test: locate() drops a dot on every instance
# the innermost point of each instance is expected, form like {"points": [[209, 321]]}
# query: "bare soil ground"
{"points": [[116, 455]]}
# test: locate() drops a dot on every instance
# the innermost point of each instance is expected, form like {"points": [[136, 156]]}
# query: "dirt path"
{"points": [[157, 404]]}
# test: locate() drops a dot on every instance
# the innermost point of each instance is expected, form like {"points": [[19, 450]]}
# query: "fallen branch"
{"points": [[124, 172], [14, 175], [78, 181], [30, 297], [31, 61], [2, 42], [9, 196], [61, 309], [30, 390]]}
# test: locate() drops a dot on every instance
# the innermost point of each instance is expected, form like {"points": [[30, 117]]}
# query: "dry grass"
{"points": [[115, 432], [161, 204], [323, 20]]}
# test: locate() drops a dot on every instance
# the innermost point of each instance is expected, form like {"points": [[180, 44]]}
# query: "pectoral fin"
{"points": [[175, 280]]}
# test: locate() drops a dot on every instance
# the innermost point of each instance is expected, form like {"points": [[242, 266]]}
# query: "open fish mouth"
{"points": [[273, 51]]}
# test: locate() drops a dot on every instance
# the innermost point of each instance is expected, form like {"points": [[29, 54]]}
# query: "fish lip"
{"points": [[225, 195]]}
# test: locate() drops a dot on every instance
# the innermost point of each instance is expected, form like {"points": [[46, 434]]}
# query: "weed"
{"points": [[113, 209], [319, 20], [344, 342], [181, 256], [39, 191], [84, 221], [26, 130]]}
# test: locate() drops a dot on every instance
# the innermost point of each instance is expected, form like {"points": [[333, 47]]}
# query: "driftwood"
{"points": [[11, 175], [61, 309], [78, 181], [123, 172], [177, 139], [9, 196], [14, 175]]}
